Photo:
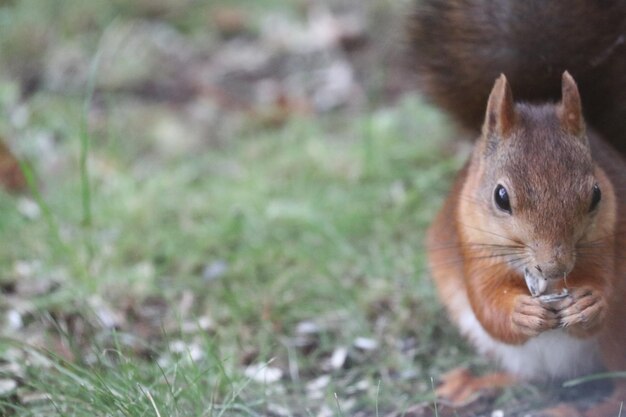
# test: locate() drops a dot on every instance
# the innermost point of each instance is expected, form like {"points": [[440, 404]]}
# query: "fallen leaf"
{"points": [[307, 327], [364, 343], [318, 384], [28, 208], [263, 373], [338, 359], [230, 21], [7, 387], [11, 176]]}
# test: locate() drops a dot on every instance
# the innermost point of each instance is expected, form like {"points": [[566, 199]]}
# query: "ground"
{"points": [[220, 211]]}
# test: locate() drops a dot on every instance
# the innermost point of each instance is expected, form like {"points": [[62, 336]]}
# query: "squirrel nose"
{"points": [[554, 262], [554, 269]]}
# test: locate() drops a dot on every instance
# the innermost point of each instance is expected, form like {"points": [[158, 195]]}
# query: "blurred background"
{"points": [[217, 208]]}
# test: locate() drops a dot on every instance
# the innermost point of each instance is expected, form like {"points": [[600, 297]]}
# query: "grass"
{"points": [[200, 264], [310, 224]]}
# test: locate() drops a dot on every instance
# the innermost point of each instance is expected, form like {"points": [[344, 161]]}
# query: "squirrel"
{"points": [[541, 200]]}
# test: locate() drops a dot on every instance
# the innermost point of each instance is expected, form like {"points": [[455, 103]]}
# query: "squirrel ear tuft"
{"points": [[570, 109], [500, 116]]}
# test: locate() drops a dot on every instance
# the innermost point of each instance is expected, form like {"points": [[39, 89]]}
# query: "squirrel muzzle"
{"points": [[553, 261]]}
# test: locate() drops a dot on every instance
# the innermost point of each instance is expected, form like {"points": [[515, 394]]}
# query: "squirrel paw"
{"points": [[460, 388], [582, 312], [531, 317]]}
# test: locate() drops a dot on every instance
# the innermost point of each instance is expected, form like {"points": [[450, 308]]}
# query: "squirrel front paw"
{"points": [[531, 317], [582, 312]]}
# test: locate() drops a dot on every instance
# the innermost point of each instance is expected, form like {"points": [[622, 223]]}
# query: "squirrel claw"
{"points": [[583, 313], [531, 317]]}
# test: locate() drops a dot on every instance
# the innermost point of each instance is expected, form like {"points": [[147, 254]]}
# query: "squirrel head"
{"points": [[532, 185]]}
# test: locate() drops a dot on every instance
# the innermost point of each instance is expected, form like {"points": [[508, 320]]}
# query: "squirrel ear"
{"points": [[500, 116], [570, 109]]}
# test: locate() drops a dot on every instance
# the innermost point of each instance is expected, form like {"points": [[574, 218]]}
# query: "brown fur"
{"points": [[549, 164], [461, 46], [546, 155], [11, 176]]}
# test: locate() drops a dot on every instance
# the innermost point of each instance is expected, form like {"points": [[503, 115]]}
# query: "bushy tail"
{"points": [[461, 46]]}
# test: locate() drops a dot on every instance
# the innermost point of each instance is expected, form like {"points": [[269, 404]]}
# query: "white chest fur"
{"points": [[551, 355]]}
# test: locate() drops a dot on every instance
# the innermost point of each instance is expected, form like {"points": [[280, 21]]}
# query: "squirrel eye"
{"points": [[596, 196], [501, 197]]}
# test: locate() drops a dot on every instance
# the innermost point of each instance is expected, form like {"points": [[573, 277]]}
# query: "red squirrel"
{"points": [[528, 251]]}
